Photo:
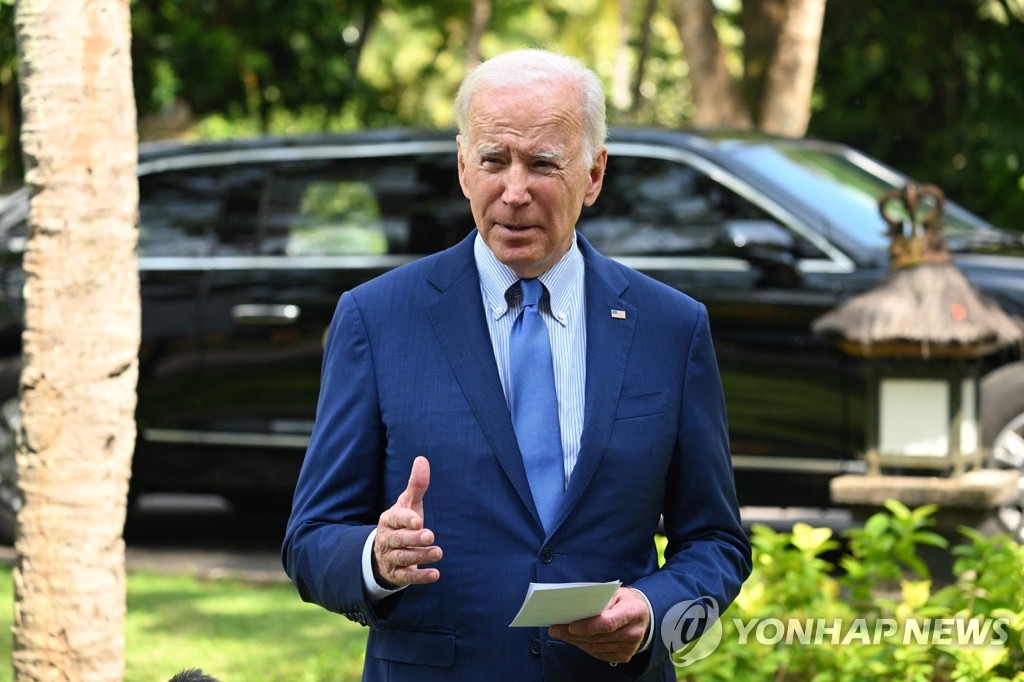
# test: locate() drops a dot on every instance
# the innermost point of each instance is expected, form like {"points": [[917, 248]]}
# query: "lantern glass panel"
{"points": [[914, 417]]}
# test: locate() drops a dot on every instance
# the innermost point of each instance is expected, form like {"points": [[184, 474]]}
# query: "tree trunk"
{"points": [[621, 95], [761, 21], [716, 95], [642, 51], [80, 341], [479, 22], [786, 107]]}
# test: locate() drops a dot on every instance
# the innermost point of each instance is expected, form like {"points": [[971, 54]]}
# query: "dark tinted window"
{"points": [[846, 187], [334, 207], [178, 211], [655, 207]]}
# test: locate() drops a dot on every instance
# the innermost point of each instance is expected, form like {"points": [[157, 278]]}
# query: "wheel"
{"points": [[1002, 423], [10, 419]]}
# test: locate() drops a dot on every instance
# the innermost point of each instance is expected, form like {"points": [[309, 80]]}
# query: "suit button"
{"points": [[535, 647], [547, 555]]}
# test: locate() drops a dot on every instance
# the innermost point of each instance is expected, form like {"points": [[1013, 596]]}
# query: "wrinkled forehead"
{"points": [[542, 120]]}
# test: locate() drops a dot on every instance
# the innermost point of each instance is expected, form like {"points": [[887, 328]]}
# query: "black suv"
{"points": [[245, 246]]}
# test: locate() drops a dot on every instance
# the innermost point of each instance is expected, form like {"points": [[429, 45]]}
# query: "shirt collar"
{"points": [[560, 280]]}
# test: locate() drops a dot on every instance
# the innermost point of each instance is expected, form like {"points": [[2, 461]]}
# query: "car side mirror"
{"points": [[764, 244]]}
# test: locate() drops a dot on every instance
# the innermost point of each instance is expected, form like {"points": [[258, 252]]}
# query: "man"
{"points": [[431, 495]]}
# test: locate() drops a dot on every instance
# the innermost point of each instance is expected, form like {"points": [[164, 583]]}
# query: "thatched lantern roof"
{"points": [[925, 307]]}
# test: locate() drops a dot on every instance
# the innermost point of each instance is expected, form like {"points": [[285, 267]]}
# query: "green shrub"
{"points": [[877, 615]]}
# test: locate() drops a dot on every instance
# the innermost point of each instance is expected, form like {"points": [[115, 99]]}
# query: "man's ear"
{"points": [[596, 179], [461, 165]]}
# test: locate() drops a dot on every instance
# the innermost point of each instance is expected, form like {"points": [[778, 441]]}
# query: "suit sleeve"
{"points": [[337, 497], [708, 553]]}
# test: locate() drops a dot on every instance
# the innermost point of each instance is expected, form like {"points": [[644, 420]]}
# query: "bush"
{"points": [[876, 616]]}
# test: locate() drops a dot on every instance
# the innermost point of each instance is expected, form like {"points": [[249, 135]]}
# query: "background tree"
{"points": [[785, 108], [81, 338], [933, 92], [929, 91], [245, 59], [479, 21], [715, 91], [10, 107], [780, 57]]}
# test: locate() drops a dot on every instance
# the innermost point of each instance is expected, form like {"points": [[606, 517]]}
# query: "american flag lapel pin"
{"points": [[618, 314]]}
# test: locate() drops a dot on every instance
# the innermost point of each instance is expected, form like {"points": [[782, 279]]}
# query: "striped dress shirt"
{"points": [[564, 314]]}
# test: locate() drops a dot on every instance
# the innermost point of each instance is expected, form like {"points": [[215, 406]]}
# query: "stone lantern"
{"points": [[922, 333]]}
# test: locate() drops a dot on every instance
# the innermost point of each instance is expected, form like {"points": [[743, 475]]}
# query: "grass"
{"points": [[235, 631]]}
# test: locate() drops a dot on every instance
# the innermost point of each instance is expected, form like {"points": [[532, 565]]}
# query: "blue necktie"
{"points": [[534, 403]]}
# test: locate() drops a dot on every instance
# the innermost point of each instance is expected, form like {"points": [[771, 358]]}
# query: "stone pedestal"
{"points": [[970, 499]]}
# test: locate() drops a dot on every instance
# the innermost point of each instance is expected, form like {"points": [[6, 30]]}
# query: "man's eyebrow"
{"points": [[544, 155], [549, 155]]}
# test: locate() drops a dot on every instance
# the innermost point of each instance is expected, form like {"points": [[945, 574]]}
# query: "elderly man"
{"points": [[517, 409]]}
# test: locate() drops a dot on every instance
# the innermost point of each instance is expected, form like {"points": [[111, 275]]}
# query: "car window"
{"points": [[845, 186], [177, 211], [333, 217], [656, 207], [320, 207]]}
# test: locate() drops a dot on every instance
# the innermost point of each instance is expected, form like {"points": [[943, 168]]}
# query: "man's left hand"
{"points": [[615, 634]]}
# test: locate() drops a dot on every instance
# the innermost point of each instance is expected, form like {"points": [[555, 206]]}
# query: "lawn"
{"points": [[236, 631]]}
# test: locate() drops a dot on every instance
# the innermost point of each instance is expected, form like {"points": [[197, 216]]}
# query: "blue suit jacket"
{"points": [[409, 370]]}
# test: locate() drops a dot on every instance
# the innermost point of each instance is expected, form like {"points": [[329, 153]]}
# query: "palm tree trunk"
{"points": [[81, 338]]}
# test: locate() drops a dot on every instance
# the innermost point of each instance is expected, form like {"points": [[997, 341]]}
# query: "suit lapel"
{"points": [[458, 321], [608, 342]]}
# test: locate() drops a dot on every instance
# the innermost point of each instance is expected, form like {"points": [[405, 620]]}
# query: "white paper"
{"points": [[559, 603]]}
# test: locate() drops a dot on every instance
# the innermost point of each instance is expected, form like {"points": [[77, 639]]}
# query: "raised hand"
{"points": [[402, 543]]}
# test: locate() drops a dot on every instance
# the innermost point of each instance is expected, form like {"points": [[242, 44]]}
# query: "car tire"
{"points": [[10, 420], [1002, 424]]}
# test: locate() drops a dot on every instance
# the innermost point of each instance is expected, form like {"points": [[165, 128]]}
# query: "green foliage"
{"points": [[790, 564], [10, 109], [799, 617], [991, 574], [245, 58], [886, 548], [933, 91]]}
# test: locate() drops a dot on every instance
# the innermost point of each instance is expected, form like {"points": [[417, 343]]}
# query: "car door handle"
{"points": [[265, 313]]}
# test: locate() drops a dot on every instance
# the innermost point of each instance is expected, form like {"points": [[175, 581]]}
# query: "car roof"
{"points": [[707, 141], [168, 148]]}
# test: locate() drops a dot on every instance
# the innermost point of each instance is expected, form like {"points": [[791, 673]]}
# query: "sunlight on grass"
{"points": [[235, 631]]}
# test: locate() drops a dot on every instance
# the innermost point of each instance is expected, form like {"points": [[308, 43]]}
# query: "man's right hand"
{"points": [[402, 543]]}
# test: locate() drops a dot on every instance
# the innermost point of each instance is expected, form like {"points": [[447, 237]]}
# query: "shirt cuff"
{"points": [[375, 592]]}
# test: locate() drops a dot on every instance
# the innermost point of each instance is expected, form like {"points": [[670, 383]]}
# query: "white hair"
{"points": [[538, 67]]}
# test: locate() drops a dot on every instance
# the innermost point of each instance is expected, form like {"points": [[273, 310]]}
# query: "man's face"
{"points": [[523, 171]]}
